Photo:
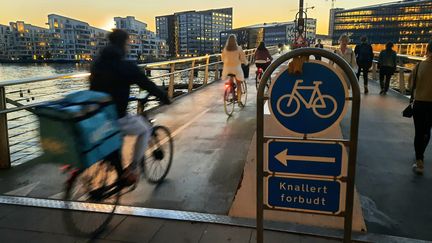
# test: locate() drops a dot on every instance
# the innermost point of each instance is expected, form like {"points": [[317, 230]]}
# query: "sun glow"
{"points": [[109, 25]]}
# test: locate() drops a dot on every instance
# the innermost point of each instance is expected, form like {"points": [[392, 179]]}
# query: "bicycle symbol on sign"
{"points": [[318, 102]]}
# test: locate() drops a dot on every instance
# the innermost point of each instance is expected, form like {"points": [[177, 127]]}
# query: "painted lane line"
{"points": [[179, 130]]}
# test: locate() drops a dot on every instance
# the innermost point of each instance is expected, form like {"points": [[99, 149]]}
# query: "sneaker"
{"points": [[381, 92], [366, 90], [418, 167]]}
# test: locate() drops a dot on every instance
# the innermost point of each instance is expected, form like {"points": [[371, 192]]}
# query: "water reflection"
{"points": [[9, 71]]}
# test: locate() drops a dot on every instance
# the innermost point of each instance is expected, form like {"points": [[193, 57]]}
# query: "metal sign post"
{"points": [[300, 173]]}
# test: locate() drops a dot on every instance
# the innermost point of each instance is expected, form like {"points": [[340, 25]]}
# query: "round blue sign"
{"points": [[309, 103]]}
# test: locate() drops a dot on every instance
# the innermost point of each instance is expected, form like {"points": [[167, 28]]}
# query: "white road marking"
{"points": [[180, 129], [23, 191]]}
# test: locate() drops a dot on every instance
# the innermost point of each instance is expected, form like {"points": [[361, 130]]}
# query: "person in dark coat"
{"points": [[321, 46], [364, 57], [112, 74], [387, 66]]}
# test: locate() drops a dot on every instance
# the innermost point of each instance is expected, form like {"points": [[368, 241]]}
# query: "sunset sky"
{"points": [[100, 13]]}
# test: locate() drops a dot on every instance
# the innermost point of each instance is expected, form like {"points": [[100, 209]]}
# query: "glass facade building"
{"points": [[405, 22], [193, 33], [272, 34]]}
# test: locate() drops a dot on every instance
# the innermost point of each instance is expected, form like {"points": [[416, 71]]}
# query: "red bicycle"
{"points": [[231, 97], [259, 73]]}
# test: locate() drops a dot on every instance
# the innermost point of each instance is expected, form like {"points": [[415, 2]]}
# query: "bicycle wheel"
{"points": [[95, 185], [326, 109], [159, 155], [243, 98], [229, 100], [284, 109]]}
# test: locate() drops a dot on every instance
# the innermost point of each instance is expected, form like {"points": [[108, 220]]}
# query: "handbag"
{"points": [[409, 111]]}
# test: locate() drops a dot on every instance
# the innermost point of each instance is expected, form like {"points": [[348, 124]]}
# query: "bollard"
{"points": [[402, 81], [5, 161], [171, 81], [191, 77], [206, 75]]}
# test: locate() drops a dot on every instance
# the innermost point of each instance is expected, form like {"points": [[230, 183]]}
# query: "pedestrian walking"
{"points": [[318, 45], [421, 87], [387, 67], [364, 58], [347, 54]]}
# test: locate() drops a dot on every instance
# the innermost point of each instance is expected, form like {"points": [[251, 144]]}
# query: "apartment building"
{"points": [[4, 41], [27, 42], [98, 40], [70, 38], [143, 43], [193, 33]]}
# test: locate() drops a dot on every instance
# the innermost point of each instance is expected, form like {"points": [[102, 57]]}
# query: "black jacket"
{"points": [[364, 55], [112, 74]]}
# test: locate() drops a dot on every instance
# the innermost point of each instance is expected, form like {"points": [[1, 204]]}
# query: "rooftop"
{"points": [[390, 4]]}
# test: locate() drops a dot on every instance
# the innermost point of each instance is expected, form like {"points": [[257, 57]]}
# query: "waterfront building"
{"points": [[4, 41], [66, 39], [70, 38], [27, 42], [193, 33], [98, 40], [143, 43], [407, 23], [272, 34]]}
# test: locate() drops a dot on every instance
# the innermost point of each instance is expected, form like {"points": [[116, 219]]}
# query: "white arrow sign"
{"points": [[283, 157]]}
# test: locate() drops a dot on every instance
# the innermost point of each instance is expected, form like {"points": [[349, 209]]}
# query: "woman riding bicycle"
{"points": [[232, 58], [262, 57]]}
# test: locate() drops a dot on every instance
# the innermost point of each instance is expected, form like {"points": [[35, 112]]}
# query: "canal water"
{"points": [[9, 71], [23, 125]]}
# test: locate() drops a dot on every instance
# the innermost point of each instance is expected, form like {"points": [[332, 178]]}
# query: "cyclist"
{"points": [[112, 74], [262, 57], [232, 58]]}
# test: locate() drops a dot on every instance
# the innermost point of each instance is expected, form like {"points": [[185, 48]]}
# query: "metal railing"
{"points": [[400, 81], [19, 138]]}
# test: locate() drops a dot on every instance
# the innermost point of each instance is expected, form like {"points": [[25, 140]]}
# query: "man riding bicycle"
{"points": [[112, 74]]}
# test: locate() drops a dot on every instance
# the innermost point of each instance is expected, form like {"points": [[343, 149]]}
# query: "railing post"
{"points": [[5, 161], [217, 70], [191, 76], [206, 75], [171, 81], [374, 71], [402, 80]]}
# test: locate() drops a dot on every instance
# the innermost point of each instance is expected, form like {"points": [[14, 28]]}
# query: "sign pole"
{"points": [[280, 149], [260, 165]]}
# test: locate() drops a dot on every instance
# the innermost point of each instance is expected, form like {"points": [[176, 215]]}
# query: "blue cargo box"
{"points": [[80, 129]]}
